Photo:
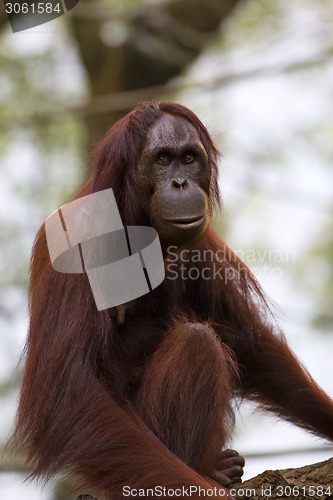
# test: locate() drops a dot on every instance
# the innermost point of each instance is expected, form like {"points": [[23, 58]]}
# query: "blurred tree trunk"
{"points": [[146, 48], [138, 48]]}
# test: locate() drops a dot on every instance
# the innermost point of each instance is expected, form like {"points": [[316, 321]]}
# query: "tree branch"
{"points": [[312, 481], [117, 101]]}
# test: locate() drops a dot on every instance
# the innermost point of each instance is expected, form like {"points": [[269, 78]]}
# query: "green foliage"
{"points": [[41, 144], [253, 22]]}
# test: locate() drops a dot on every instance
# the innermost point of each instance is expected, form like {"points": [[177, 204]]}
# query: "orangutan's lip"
{"points": [[187, 222]]}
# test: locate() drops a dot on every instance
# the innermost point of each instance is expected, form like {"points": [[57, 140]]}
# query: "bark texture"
{"points": [[312, 481]]}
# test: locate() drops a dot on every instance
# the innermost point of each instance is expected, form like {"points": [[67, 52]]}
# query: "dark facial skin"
{"points": [[174, 178]]}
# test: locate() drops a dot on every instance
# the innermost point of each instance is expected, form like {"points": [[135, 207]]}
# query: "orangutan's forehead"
{"points": [[171, 131]]}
